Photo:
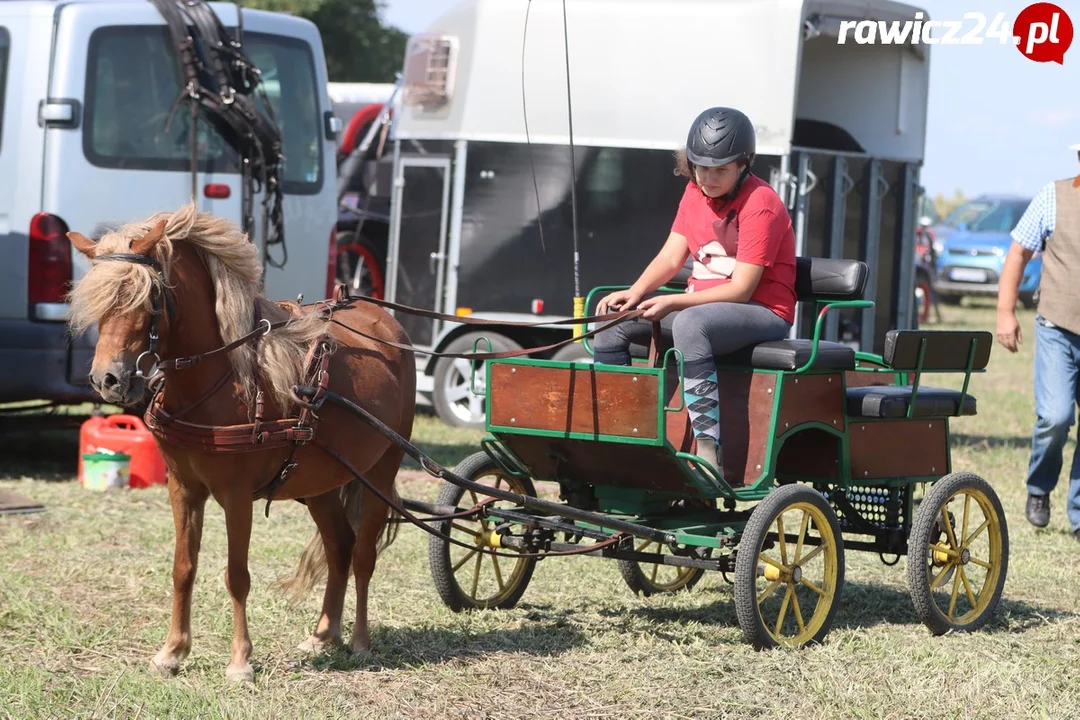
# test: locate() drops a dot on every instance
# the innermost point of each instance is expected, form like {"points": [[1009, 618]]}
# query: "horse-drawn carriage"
{"points": [[830, 443], [823, 447]]}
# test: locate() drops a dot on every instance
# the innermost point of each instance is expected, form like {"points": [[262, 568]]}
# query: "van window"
{"points": [[5, 44], [132, 86]]}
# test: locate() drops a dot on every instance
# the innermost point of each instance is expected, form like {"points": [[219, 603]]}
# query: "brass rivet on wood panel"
{"points": [[513, 420]]}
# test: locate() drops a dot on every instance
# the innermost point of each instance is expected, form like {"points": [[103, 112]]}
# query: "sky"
{"points": [[997, 122]]}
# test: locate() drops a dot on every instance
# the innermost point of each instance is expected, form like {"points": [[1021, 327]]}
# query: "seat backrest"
{"points": [[946, 350], [830, 279], [816, 279]]}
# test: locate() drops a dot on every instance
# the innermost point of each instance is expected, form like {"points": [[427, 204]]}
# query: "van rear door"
{"points": [[114, 161], [116, 66]]}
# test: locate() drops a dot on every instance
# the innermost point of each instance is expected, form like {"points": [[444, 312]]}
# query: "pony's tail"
{"points": [[312, 568], [352, 497]]}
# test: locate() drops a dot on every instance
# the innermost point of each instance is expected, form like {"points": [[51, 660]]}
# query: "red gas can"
{"points": [[126, 434]]}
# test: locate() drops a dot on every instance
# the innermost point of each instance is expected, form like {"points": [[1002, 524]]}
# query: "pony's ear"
{"points": [[82, 243], [145, 244]]}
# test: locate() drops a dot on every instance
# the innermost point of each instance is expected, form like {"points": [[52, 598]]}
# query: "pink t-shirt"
{"points": [[753, 228]]}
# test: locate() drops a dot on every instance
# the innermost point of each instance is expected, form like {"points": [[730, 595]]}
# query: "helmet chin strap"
{"points": [[730, 194]]}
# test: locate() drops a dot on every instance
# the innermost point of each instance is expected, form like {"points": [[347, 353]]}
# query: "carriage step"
{"points": [[891, 401]]}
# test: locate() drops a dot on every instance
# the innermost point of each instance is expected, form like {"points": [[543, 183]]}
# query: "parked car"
{"points": [[85, 91], [970, 247]]}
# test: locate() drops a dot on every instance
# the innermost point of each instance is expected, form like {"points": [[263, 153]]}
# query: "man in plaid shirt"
{"points": [[1051, 226]]}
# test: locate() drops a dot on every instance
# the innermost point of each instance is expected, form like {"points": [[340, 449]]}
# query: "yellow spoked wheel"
{"points": [[647, 579], [469, 579], [653, 578], [958, 554], [789, 569]]}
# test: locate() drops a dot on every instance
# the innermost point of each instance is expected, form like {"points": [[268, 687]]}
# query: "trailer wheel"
{"points": [[454, 399], [360, 265], [958, 554], [789, 569], [470, 579]]}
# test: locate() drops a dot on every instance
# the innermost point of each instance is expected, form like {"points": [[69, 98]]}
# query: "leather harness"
{"points": [[262, 434], [219, 79]]}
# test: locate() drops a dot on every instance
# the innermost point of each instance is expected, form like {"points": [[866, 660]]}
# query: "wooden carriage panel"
{"points": [[574, 399], [811, 398], [646, 467], [898, 448], [810, 453], [677, 428], [746, 417], [746, 413]]}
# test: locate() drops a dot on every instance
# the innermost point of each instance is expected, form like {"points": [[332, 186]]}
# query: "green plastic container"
{"points": [[106, 471]]}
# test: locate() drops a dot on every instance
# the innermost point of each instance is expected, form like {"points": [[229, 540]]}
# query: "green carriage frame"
{"points": [[560, 421]]}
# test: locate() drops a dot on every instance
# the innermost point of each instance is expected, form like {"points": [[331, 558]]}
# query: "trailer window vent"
{"points": [[430, 64]]}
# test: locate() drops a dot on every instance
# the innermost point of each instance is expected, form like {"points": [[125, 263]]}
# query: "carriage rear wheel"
{"points": [[471, 579], [789, 569], [958, 554]]}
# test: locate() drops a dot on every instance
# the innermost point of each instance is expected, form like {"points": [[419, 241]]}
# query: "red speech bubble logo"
{"points": [[1043, 32]]}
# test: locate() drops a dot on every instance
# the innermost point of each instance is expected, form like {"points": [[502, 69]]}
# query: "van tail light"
{"points": [[50, 260], [331, 264]]}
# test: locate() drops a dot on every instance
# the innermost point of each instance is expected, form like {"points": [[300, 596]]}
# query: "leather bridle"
{"points": [[160, 296]]}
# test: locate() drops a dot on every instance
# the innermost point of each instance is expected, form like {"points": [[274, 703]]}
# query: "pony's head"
{"points": [[125, 294], [131, 294]]}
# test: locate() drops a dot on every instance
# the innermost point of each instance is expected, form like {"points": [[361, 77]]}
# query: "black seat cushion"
{"points": [[890, 401], [792, 355]]}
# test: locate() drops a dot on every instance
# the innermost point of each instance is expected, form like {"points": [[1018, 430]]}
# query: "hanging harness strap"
{"points": [[222, 82]]}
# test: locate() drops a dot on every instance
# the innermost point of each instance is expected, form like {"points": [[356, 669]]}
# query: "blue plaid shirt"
{"points": [[1037, 223]]}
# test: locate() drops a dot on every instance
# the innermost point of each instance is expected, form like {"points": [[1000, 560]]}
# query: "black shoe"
{"points": [[1038, 510]]}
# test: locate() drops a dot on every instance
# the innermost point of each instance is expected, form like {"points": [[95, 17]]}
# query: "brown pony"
{"points": [[193, 280]]}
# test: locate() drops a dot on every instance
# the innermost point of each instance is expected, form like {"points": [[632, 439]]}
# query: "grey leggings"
{"points": [[699, 332]]}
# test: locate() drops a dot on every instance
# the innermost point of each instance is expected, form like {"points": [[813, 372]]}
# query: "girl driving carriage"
{"points": [[742, 288]]}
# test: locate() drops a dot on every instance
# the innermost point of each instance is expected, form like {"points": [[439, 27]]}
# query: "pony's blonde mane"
{"points": [[236, 273]]}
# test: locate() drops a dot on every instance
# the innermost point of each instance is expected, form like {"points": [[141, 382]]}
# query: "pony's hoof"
{"points": [[240, 675], [360, 649], [166, 667], [315, 644]]}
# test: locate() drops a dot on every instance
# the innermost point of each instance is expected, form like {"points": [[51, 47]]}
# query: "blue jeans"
{"points": [[1057, 370]]}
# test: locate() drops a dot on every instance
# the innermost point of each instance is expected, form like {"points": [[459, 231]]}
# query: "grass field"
{"points": [[85, 594]]}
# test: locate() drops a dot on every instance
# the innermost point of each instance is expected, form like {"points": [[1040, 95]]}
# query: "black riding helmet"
{"points": [[721, 135]]}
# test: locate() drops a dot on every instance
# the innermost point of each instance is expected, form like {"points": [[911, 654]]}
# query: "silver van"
{"points": [[86, 87]]}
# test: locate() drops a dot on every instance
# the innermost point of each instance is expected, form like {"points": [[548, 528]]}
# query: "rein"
{"points": [[300, 430]]}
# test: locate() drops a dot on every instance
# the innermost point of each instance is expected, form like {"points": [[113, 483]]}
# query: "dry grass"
{"points": [[84, 602]]}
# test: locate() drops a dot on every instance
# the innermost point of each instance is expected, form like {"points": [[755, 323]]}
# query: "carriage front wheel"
{"points": [[958, 554], [470, 578], [789, 569]]}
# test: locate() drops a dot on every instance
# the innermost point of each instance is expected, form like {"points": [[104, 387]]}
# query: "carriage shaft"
{"points": [[435, 469]]}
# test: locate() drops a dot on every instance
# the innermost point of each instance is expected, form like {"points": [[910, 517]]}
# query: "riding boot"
{"points": [[711, 452]]}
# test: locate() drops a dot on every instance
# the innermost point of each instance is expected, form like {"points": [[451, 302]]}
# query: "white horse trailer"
{"points": [[482, 216]]}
